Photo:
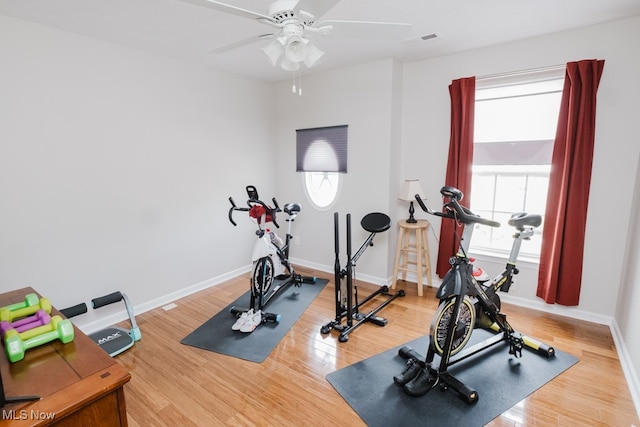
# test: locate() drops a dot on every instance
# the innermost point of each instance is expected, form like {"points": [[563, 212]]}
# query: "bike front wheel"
{"points": [[262, 278], [462, 330]]}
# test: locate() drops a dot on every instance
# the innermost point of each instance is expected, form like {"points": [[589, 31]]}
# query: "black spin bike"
{"points": [[466, 304]]}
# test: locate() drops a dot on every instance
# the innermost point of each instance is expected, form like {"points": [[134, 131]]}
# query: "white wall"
{"points": [[116, 167], [627, 315], [362, 97]]}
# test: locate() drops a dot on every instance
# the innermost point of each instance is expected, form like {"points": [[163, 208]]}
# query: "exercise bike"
{"points": [[466, 304], [270, 255], [346, 289]]}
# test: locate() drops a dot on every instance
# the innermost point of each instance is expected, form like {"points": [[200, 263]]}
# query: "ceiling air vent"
{"points": [[425, 37]]}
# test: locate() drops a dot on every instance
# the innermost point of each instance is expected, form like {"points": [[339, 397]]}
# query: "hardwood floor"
{"points": [[173, 384]]}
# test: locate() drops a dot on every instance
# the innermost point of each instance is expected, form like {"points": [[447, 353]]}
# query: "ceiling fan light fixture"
{"points": [[313, 55], [288, 65], [295, 49], [273, 51]]}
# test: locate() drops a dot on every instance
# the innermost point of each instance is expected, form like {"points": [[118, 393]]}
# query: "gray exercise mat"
{"points": [[216, 334], [500, 379]]}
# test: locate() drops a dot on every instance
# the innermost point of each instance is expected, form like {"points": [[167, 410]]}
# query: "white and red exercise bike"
{"points": [[271, 272]]}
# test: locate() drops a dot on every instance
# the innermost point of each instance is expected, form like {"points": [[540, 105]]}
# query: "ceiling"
{"points": [[190, 32]]}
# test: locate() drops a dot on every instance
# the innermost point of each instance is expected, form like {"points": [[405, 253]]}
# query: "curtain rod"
{"points": [[520, 72]]}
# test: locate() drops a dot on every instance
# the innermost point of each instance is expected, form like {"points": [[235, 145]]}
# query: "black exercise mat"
{"points": [[216, 334], [500, 379]]}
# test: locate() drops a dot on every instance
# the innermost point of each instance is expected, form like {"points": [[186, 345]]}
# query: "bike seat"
{"points": [[522, 219], [376, 222], [451, 192], [292, 208]]}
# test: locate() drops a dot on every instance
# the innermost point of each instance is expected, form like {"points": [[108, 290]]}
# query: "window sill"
{"points": [[524, 261]]}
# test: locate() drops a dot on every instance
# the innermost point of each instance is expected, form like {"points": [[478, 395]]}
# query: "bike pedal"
{"points": [[411, 371], [422, 383]]}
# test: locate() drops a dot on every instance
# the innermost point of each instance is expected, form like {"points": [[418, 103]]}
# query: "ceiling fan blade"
{"points": [[316, 7], [227, 8], [241, 43], [365, 29]]}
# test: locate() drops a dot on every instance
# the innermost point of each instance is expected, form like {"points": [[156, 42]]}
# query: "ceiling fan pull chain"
{"points": [[293, 82]]}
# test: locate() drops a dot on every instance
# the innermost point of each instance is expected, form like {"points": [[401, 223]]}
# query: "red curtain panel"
{"points": [[463, 97], [560, 274]]}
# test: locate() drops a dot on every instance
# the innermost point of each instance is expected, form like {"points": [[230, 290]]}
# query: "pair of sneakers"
{"points": [[248, 321]]}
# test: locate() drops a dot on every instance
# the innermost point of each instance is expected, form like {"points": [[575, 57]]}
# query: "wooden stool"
{"points": [[420, 249]]}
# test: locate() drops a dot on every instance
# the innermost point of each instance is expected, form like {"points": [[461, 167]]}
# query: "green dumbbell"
{"points": [[29, 307], [29, 300], [15, 345]]}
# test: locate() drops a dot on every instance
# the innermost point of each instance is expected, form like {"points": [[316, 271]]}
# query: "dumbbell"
{"points": [[16, 343], [39, 319], [29, 300], [30, 306]]}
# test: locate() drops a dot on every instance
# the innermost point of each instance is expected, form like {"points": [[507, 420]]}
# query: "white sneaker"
{"points": [[242, 320], [252, 322]]}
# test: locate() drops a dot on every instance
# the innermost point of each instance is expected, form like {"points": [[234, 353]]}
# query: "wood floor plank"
{"points": [[173, 384]]}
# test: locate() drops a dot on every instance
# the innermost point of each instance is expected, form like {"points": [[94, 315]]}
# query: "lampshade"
{"points": [[288, 65], [273, 51], [313, 54], [295, 49], [291, 49], [410, 188]]}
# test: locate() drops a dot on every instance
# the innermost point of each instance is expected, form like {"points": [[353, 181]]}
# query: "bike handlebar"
{"points": [[454, 210], [234, 208], [251, 202]]}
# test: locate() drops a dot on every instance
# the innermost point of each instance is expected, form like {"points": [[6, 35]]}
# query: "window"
{"points": [[515, 124], [321, 154]]}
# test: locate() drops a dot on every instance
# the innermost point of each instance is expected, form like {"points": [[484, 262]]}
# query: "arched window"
{"points": [[321, 154]]}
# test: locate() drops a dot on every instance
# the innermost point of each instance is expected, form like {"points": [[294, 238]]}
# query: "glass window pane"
{"points": [[510, 191], [483, 190], [502, 236], [322, 188], [537, 194], [507, 115]]}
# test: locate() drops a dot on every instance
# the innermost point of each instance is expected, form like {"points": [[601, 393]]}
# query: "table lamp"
{"points": [[410, 188]]}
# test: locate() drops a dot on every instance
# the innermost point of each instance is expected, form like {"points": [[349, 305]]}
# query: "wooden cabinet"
{"points": [[78, 383]]}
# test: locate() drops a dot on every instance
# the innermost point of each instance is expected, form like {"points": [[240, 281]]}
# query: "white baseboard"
{"points": [[89, 327], [633, 381], [557, 309]]}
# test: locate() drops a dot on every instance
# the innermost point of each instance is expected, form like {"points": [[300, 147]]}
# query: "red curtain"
{"points": [[463, 97], [560, 274]]}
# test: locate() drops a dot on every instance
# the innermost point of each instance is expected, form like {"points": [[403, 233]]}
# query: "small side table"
{"points": [[420, 248]]}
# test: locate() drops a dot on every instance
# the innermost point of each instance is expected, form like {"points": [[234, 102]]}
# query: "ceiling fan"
{"points": [[294, 23]]}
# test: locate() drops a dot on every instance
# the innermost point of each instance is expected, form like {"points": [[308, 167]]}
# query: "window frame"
{"points": [[327, 147], [312, 200], [555, 74]]}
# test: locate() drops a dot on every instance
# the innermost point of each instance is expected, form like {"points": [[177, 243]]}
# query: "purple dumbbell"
{"points": [[40, 318]]}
